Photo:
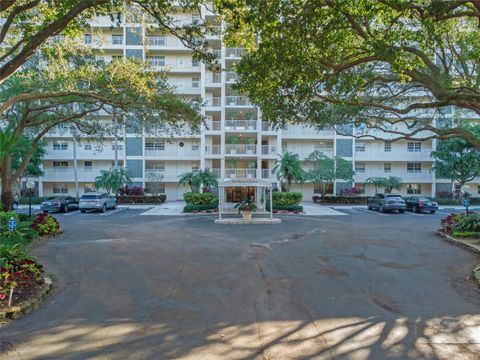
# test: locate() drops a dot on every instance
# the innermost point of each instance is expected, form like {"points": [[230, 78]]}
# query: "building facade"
{"points": [[235, 142]]}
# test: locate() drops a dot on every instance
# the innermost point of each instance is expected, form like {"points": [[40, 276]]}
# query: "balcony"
{"points": [[407, 177], [67, 174], [212, 149], [240, 173], [267, 174], [240, 125], [214, 126], [240, 149], [234, 53], [214, 32], [231, 77], [298, 131], [269, 150], [174, 152], [217, 172], [267, 127], [377, 153], [213, 79], [213, 102], [238, 101]]}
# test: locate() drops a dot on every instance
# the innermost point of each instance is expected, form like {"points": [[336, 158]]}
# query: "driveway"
{"points": [[361, 286]]}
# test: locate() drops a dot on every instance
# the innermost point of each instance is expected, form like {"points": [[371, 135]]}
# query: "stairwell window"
{"points": [[387, 147], [87, 147], [88, 166], [414, 146], [195, 83], [360, 167], [60, 164], [387, 167], [360, 147]]}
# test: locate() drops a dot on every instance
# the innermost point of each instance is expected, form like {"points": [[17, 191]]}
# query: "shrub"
{"points": [[461, 223], [131, 191], [131, 199], [45, 224], [197, 208], [286, 198], [466, 234], [444, 195], [289, 208], [25, 200], [5, 216], [357, 200], [192, 198]]}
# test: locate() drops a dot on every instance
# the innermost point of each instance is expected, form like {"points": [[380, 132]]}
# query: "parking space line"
{"points": [[414, 214], [70, 213], [112, 212], [374, 212]]}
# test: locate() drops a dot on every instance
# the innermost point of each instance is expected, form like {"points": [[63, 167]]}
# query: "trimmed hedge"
{"points": [[457, 201], [286, 198], [289, 208], [126, 199], [197, 208], [360, 200], [193, 198]]}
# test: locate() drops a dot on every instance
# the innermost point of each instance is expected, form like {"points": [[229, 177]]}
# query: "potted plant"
{"points": [[250, 141], [233, 165], [233, 140], [246, 208]]}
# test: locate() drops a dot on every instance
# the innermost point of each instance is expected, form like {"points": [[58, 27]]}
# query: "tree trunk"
{"points": [[75, 168], [6, 178]]}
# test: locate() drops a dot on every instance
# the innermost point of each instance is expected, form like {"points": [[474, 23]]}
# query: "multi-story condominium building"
{"points": [[235, 143]]}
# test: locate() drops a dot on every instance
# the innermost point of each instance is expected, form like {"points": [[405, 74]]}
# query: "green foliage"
{"points": [[367, 61], [457, 159], [288, 170], [246, 205], [22, 147], [196, 180], [45, 224], [281, 199], [113, 179], [193, 198], [199, 208], [326, 170], [4, 217], [466, 234], [390, 183], [470, 223], [12, 253], [232, 139], [289, 208]]}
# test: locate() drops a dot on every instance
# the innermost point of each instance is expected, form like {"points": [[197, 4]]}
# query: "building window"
{"points": [[414, 167], [195, 19], [117, 57], [414, 147], [195, 146], [195, 83], [195, 166], [60, 188], [88, 166], [360, 167], [156, 60], [155, 146], [387, 147], [60, 145], [117, 39], [60, 164], [88, 188], [155, 188], [58, 38], [318, 189], [414, 189], [478, 189], [360, 147], [387, 167], [118, 147], [87, 38], [195, 63], [87, 146], [156, 40]]}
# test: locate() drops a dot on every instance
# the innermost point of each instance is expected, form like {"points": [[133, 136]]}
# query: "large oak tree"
{"points": [[386, 65]]}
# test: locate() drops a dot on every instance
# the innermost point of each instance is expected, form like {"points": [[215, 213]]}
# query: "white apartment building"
{"points": [[235, 142]]}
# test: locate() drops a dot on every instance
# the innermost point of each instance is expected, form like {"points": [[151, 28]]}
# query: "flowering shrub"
{"points": [[131, 191], [192, 198], [444, 194], [45, 224], [461, 223]]}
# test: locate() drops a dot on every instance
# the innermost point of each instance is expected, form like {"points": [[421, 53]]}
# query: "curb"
{"points": [[25, 307], [457, 242], [475, 250]]}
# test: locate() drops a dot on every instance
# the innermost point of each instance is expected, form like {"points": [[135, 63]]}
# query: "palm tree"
{"points": [[289, 169], [113, 179], [208, 179], [192, 179], [390, 183]]}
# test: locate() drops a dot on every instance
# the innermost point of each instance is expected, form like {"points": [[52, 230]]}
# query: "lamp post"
{"points": [[30, 185]]}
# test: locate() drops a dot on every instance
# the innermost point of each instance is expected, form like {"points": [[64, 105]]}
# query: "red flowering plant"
{"points": [[45, 224], [455, 221]]}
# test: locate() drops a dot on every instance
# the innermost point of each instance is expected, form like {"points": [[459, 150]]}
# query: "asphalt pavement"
{"points": [[362, 286]]}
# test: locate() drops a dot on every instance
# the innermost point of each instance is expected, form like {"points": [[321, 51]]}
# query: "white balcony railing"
{"points": [[240, 149], [213, 102], [267, 174], [238, 101], [406, 176], [212, 149], [269, 150], [266, 126], [240, 125], [214, 126], [231, 76], [189, 152], [240, 173], [308, 132], [217, 172], [213, 78]]}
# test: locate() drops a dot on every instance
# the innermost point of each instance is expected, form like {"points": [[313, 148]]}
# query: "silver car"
{"points": [[97, 201]]}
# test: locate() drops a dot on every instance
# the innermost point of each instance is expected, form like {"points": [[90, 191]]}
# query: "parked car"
{"points": [[97, 201], [59, 204], [386, 202], [420, 204]]}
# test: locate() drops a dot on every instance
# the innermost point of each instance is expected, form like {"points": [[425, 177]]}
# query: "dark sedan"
{"points": [[59, 204], [386, 202], [419, 204]]}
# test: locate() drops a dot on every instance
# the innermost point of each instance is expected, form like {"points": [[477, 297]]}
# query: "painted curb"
{"points": [[24, 308]]}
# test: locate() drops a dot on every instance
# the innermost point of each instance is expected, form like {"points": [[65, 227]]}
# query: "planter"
{"points": [[247, 215]]}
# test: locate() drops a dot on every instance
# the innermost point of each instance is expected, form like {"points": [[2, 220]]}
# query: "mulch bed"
{"points": [[21, 295]]}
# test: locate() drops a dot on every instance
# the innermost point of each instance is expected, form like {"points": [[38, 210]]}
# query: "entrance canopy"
{"points": [[263, 189]]}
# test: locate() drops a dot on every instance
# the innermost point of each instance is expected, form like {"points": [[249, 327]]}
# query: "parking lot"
{"points": [[365, 285]]}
